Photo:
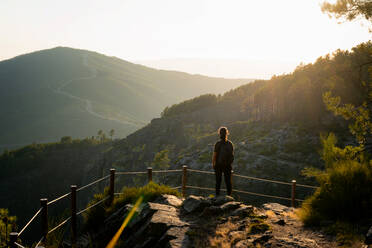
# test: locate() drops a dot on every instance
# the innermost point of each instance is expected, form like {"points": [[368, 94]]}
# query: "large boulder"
{"points": [[195, 203], [157, 225], [243, 211], [219, 200]]}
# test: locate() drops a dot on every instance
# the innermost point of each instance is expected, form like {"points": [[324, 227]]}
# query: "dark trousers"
{"points": [[227, 174]]}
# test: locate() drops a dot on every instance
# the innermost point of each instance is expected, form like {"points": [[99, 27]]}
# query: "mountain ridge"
{"points": [[73, 87]]}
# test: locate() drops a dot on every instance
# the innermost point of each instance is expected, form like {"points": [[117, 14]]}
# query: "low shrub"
{"points": [[345, 194]]}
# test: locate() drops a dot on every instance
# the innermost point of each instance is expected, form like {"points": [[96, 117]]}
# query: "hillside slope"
{"points": [[275, 125], [62, 91]]}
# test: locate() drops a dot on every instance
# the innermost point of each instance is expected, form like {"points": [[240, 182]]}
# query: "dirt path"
{"points": [[273, 225]]}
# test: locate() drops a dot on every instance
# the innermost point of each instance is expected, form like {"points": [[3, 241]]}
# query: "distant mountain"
{"points": [[63, 91]]}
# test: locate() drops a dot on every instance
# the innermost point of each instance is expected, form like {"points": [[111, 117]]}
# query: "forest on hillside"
{"points": [[297, 96]]}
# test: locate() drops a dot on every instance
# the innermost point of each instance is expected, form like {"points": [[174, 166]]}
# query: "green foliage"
{"points": [[161, 160], [95, 216], [331, 154], [205, 157], [344, 194], [56, 238], [7, 225], [66, 139], [112, 132], [360, 116]]}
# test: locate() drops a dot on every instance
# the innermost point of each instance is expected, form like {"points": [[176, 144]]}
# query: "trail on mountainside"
{"points": [[87, 102]]}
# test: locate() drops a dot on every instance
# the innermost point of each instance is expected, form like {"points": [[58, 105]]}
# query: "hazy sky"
{"points": [[235, 38]]}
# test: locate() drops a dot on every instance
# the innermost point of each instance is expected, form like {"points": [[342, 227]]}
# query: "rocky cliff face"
{"points": [[208, 222]]}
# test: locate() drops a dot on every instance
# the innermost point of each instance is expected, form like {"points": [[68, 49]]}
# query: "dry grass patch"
{"points": [[227, 234]]}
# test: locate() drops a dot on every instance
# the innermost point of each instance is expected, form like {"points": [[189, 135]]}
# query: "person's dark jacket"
{"points": [[225, 154]]}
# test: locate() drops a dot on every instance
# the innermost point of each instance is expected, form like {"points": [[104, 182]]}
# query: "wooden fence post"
{"points": [[13, 236], [184, 180], [293, 193], [44, 218], [112, 185], [73, 215], [149, 174]]}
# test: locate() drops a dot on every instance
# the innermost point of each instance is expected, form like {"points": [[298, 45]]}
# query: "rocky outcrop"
{"points": [[212, 222]]}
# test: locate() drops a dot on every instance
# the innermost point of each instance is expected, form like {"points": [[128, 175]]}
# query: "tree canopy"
{"points": [[349, 9]]}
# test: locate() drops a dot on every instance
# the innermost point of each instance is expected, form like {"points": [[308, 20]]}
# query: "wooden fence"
{"points": [[44, 203]]}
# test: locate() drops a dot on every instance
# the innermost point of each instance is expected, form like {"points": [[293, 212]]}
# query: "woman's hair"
{"points": [[223, 132]]}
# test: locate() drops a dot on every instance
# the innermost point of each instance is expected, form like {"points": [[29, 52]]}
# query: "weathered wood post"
{"points": [[44, 218], [149, 174], [184, 180], [112, 185], [13, 236], [73, 215], [293, 193]]}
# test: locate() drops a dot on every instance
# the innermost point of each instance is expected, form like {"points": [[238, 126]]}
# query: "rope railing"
{"points": [[204, 188], [201, 171], [256, 178], [39, 243], [92, 183], [29, 222], [44, 202], [262, 179], [59, 225], [59, 198], [19, 245], [92, 206], [166, 171], [245, 192], [307, 186], [130, 172]]}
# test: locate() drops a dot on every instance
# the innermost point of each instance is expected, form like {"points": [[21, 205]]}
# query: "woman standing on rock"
{"points": [[222, 159]]}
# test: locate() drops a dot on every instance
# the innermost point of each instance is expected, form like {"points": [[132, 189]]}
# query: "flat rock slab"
{"points": [[165, 218], [171, 200], [276, 207], [229, 206]]}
